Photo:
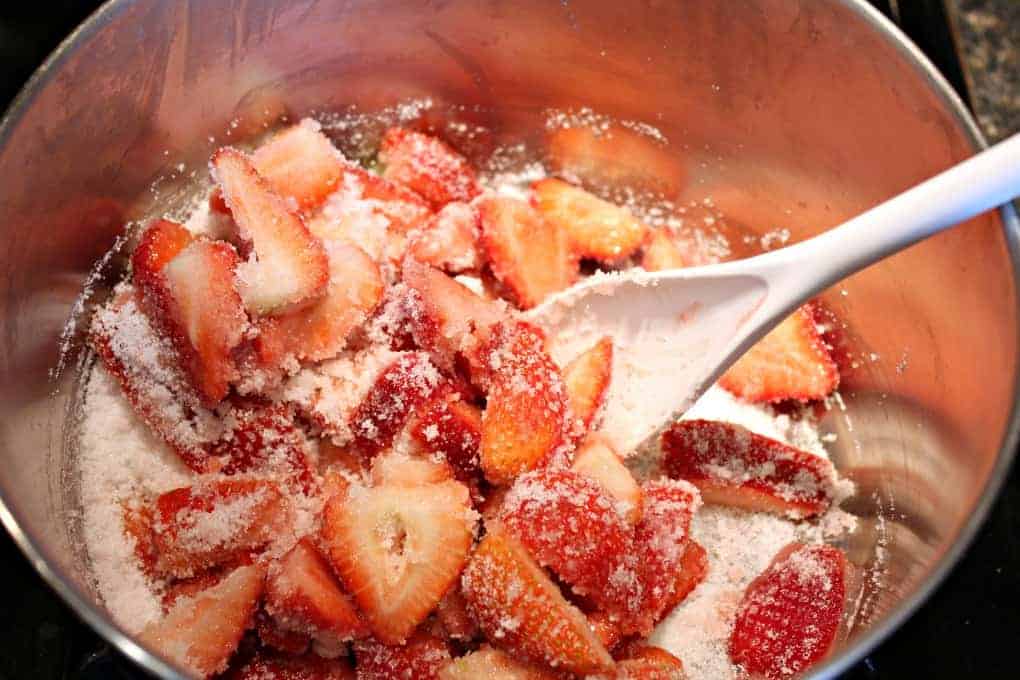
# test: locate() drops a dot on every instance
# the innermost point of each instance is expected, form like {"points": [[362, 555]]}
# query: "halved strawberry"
{"points": [[454, 617], [587, 378], [398, 391], [320, 330], [272, 636], [789, 616], [489, 663], [451, 427], [269, 666], [569, 523], [529, 256], [200, 633], [399, 469], [645, 662], [445, 317], [525, 421], [519, 608], [597, 229], [300, 164], [791, 362], [427, 165], [449, 241], [733, 466], [302, 595], [262, 438], [213, 522], [288, 266], [398, 550], [596, 460], [419, 658]]}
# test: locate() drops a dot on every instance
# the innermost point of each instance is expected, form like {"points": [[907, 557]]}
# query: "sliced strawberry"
{"points": [[789, 616], [268, 666], [451, 428], [597, 229], [529, 256], [288, 266], [791, 362], [693, 570], [200, 634], [398, 550], [398, 391], [587, 378], [606, 628], [161, 242], [320, 330], [274, 637], [212, 523], [420, 657], [644, 662], [428, 166], [445, 317], [137, 518], [302, 595], [734, 466], [596, 460], [399, 469], [569, 523], [489, 663], [525, 421], [300, 164], [454, 617], [262, 438], [519, 608], [449, 241], [662, 252], [182, 589]]}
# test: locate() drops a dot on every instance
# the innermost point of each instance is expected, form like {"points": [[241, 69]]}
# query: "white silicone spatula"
{"points": [[676, 332]]}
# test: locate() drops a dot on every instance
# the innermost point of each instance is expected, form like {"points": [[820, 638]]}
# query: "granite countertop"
{"points": [[988, 32]]}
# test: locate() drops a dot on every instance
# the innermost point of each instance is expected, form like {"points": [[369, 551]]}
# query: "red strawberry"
{"points": [[453, 615], [449, 241], [401, 389], [597, 229], [452, 428], [289, 266], [525, 421], [398, 550], [596, 460], [300, 164], [489, 663], [215, 522], [270, 635], [420, 658], [398, 469], [644, 662], [518, 607], [693, 570], [570, 524], [587, 378], [161, 242], [262, 438], [428, 166], [529, 256], [200, 634], [734, 466], [320, 330], [268, 666], [791, 362], [606, 628], [137, 520], [303, 596], [790, 614], [181, 589]]}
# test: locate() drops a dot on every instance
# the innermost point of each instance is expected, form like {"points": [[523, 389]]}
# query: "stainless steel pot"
{"points": [[787, 113]]}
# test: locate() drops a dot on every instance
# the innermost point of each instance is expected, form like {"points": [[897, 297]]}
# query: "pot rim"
{"points": [[99, 621]]}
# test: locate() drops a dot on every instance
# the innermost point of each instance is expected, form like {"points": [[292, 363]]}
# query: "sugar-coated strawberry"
{"points": [[200, 633], [397, 392], [320, 330], [597, 229], [453, 616], [569, 524], [451, 427], [288, 266], [449, 240], [400, 469], [259, 438], [302, 595], [791, 362], [662, 252], [733, 466], [790, 615], [606, 628], [420, 658], [489, 663], [596, 460], [528, 255], [525, 421], [272, 636], [520, 609], [137, 518], [214, 522], [161, 242], [645, 662], [398, 550], [184, 588], [300, 164], [263, 665], [428, 166], [693, 570], [587, 378], [445, 317]]}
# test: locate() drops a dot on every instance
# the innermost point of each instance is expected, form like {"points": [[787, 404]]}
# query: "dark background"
{"points": [[971, 625]]}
